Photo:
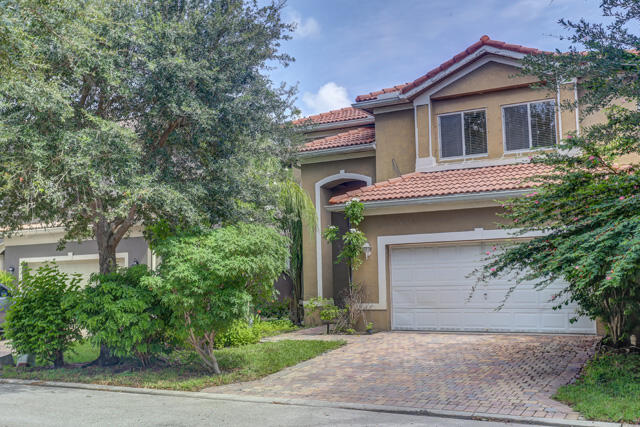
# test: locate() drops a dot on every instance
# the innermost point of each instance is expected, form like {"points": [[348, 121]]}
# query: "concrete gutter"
{"points": [[480, 416]]}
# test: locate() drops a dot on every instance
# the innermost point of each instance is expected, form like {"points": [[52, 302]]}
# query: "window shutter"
{"points": [[516, 127], [543, 124], [451, 135], [475, 133]]}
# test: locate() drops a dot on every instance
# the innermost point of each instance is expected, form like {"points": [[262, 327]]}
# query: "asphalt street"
{"points": [[22, 405]]}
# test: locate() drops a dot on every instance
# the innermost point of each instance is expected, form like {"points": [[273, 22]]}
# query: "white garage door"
{"points": [[430, 291], [84, 265]]}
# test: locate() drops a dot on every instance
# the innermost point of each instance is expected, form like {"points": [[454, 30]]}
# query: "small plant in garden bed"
{"points": [[608, 389], [184, 372]]}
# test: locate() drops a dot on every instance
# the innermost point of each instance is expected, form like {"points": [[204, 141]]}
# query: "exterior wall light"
{"points": [[12, 269], [367, 249]]}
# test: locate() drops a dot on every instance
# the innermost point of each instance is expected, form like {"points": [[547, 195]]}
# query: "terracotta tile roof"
{"points": [[333, 116], [441, 183], [357, 136], [484, 41]]}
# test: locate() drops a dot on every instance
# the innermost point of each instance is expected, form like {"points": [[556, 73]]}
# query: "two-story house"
{"points": [[431, 160]]}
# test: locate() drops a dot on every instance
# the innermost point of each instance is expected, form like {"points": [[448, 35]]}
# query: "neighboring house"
{"points": [[37, 244], [431, 160]]}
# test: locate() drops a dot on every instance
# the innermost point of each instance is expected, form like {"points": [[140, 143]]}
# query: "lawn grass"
{"points": [[238, 364], [82, 352], [608, 390]]}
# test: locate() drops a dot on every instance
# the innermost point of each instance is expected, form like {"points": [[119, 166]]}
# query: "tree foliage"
{"points": [[114, 113], [353, 239], [40, 319], [586, 209], [120, 312], [210, 280], [297, 213]]}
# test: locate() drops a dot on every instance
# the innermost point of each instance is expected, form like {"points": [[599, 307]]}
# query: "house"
{"points": [[37, 243], [431, 160]]}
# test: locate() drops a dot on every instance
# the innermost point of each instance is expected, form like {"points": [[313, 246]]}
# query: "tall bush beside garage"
{"points": [[40, 320], [585, 209], [211, 279]]}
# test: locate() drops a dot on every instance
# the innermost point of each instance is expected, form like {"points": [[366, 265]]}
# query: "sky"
{"points": [[344, 48]]}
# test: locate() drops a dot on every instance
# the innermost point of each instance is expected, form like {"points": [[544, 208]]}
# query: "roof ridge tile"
{"points": [[485, 40]]}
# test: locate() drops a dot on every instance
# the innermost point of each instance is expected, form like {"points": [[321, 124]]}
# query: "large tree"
{"points": [[122, 112], [586, 209]]}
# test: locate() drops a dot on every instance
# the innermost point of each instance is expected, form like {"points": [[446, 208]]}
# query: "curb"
{"points": [[479, 416]]}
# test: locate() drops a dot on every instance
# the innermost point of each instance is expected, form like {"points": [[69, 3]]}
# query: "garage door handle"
{"points": [[485, 295]]}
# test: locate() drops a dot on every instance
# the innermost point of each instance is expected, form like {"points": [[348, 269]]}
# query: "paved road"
{"points": [[46, 406]]}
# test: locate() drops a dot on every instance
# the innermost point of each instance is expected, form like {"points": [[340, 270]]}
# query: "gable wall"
{"points": [[492, 75], [395, 140]]}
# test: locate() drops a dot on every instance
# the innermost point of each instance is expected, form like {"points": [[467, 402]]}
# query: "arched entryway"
{"points": [[331, 277]]}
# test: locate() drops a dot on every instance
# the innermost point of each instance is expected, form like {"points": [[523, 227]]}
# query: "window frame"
{"points": [[464, 149], [530, 148]]}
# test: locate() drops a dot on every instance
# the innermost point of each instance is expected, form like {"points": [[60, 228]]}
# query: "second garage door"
{"points": [[430, 291]]}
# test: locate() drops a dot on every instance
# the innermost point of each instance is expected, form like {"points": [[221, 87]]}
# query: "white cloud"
{"points": [[329, 97], [304, 27]]}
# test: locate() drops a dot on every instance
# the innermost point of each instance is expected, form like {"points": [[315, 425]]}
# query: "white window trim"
{"points": [[531, 148], [464, 154]]}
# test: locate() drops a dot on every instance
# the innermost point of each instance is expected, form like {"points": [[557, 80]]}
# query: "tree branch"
{"points": [[162, 139], [121, 230]]}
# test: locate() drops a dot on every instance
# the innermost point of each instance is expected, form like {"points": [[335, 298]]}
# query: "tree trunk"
{"points": [[107, 244], [106, 247], [58, 362]]}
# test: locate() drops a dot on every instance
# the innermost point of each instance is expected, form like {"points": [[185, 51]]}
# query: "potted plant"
{"points": [[370, 328]]}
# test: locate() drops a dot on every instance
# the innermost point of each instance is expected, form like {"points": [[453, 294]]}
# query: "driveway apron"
{"points": [[503, 374]]}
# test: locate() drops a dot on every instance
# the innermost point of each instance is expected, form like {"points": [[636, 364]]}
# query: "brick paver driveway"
{"points": [[486, 373]]}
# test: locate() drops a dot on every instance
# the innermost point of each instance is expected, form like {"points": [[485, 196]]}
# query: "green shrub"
{"points": [[210, 280], [124, 315], [240, 333], [273, 309], [243, 333], [325, 307], [40, 320], [268, 328]]}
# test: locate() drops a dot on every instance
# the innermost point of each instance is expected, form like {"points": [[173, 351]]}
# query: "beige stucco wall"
{"points": [[395, 140], [416, 223], [492, 103], [309, 175], [597, 117], [487, 77]]}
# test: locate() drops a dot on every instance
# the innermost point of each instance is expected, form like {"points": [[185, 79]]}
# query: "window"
{"points": [[463, 134], [529, 126]]}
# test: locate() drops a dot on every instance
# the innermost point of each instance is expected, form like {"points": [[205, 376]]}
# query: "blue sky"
{"points": [[344, 48]]}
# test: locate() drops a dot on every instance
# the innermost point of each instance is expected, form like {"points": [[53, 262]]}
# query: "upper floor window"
{"points": [[529, 126], [463, 134]]}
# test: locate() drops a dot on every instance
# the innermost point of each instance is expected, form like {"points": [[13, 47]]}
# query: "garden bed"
{"points": [[607, 390], [182, 371]]}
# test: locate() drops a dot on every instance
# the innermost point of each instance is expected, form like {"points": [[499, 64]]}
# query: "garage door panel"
{"points": [[430, 290], [405, 298]]}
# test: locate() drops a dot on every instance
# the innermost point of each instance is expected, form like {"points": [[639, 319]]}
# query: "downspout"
{"points": [[559, 111]]}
